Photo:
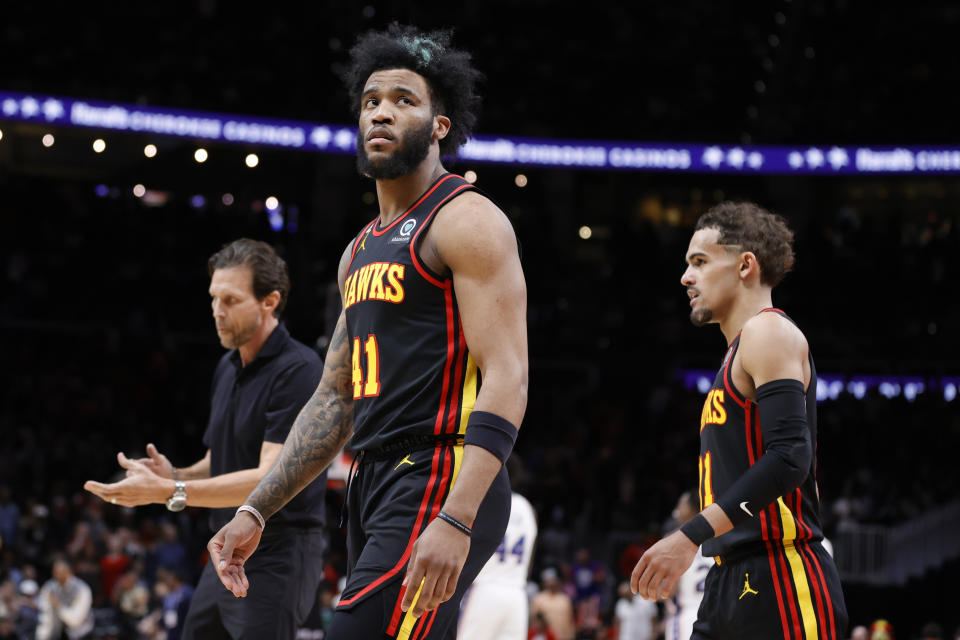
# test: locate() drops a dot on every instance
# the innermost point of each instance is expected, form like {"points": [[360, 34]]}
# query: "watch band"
{"points": [[178, 500]]}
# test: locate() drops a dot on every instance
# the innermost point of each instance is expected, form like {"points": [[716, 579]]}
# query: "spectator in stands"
{"points": [[65, 602], [636, 618], [881, 630], [176, 601], [9, 518], [553, 606], [28, 613], [932, 631]]}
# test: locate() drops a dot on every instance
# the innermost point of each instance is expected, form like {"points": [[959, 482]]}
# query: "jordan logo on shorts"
{"points": [[406, 460], [747, 589]]}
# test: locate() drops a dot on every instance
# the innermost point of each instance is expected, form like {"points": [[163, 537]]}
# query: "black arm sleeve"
{"points": [[787, 452]]}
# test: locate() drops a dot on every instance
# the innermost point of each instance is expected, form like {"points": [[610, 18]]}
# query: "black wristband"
{"points": [[488, 430], [698, 530], [453, 522]]}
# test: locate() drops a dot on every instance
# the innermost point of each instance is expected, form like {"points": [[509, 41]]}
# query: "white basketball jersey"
{"points": [[510, 563], [683, 606]]}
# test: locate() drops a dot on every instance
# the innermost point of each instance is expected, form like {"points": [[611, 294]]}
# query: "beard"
{"points": [[700, 317], [412, 149], [236, 336]]}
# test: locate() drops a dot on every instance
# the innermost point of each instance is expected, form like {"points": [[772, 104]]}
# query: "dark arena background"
{"points": [[606, 129]]}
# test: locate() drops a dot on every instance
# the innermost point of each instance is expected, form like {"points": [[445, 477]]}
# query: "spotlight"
{"points": [[139, 190], [200, 155], [470, 176], [227, 199], [99, 145], [150, 150], [520, 180], [586, 232], [48, 140], [271, 203], [252, 160]]}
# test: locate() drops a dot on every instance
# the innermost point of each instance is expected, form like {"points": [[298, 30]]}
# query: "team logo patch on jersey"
{"points": [[406, 229]]}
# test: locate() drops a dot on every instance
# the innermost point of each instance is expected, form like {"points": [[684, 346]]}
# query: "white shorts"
{"points": [[493, 612], [680, 627]]}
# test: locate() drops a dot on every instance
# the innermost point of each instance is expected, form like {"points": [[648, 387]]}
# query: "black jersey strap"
{"points": [[787, 452]]}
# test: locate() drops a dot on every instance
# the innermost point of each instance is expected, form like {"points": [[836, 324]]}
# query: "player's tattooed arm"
{"points": [[321, 429]]}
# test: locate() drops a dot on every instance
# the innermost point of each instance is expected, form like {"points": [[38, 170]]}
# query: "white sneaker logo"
{"points": [[743, 505]]}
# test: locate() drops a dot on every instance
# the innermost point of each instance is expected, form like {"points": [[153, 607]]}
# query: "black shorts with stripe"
{"points": [[392, 498], [783, 590]]}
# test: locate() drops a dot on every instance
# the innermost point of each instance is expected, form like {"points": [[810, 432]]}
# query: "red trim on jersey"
{"points": [[448, 304], [413, 241], [748, 424], [438, 498], [763, 522], [776, 586], [788, 583], [823, 581], [419, 627], [442, 490], [798, 508], [803, 550], [732, 390], [433, 616], [413, 535], [452, 417], [413, 206], [356, 245], [397, 612]]}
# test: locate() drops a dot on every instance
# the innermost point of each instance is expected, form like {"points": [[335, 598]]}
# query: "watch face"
{"points": [[176, 503]]}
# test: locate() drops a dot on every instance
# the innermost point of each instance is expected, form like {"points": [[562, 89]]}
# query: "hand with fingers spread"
{"points": [[230, 548], [157, 462], [141, 486], [436, 560], [661, 566]]}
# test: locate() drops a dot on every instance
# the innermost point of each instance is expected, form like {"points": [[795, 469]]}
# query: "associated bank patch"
{"points": [[406, 231]]}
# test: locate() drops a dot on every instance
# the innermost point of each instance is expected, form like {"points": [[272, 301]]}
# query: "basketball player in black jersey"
{"points": [[434, 299], [760, 515]]}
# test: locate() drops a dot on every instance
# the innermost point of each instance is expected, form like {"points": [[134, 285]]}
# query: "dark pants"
{"points": [[391, 502], [787, 591], [284, 573]]}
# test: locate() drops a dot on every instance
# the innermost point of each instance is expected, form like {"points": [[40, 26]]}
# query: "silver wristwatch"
{"points": [[178, 500]]}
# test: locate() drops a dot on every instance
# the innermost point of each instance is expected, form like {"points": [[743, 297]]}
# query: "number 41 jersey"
{"points": [[413, 377]]}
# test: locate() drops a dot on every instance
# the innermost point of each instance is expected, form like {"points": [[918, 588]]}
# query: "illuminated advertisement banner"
{"points": [[830, 386], [505, 150]]}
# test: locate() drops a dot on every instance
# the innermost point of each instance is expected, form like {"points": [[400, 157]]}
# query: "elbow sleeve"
{"points": [[787, 457]]}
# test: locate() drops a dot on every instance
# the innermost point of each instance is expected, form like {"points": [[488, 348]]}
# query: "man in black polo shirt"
{"points": [[258, 389]]}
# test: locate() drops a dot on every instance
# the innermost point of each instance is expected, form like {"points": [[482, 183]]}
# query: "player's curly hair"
{"points": [[754, 229], [448, 72]]}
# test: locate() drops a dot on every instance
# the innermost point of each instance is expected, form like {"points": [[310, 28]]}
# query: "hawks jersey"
{"points": [[731, 441], [413, 377]]}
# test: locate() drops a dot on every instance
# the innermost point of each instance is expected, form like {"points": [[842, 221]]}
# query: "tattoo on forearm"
{"points": [[321, 429]]}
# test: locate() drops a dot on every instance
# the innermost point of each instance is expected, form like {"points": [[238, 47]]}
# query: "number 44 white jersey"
{"points": [[510, 563], [683, 606]]}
